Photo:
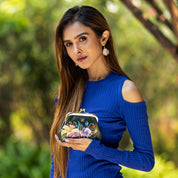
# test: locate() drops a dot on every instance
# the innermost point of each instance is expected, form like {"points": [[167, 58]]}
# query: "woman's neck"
{"points": [[98, 73]]}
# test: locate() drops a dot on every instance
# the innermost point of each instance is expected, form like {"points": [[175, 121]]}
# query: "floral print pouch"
{"points": [[80, 125]]}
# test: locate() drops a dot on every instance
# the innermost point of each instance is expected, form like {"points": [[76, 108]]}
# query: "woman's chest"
{"points": [[106, 107]]}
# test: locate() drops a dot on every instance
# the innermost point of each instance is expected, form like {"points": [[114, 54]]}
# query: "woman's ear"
{"points": [[104, 38]]}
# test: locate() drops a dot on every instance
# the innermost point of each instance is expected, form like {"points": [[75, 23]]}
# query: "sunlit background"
{"points": [[29, 80]]}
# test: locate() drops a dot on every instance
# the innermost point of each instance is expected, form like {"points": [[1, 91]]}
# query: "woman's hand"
{"points": [[76, 144]]}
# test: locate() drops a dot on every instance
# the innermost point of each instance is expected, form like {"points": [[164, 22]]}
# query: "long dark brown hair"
{"points": [[73, 79]]}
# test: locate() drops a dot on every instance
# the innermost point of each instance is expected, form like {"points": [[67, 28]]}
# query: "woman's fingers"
{"points": [[61, 143], [74, 141], [76, 144]]}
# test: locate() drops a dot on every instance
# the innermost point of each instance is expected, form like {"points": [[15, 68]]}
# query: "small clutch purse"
{"points": [[80, 125]]}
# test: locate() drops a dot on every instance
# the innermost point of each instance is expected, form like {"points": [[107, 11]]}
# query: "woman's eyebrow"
{"points": [[84, 33]]}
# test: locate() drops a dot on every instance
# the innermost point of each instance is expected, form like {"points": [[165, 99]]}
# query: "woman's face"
{"points": [[83, 46]]}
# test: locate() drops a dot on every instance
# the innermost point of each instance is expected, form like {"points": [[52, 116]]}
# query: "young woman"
{"points": [[91, 78]]}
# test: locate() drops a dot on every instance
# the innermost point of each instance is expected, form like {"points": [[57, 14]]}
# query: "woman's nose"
{"points": [[77, 49]]}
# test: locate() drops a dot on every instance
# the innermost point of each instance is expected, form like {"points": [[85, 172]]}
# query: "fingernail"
{"points": [[56, 137], [66, 140]]}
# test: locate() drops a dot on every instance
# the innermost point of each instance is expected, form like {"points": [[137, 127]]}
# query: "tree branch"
{"points": [[160, 15], [174, 14], [164, 41]]}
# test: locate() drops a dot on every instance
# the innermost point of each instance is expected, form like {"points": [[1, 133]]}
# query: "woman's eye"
{"points": [[68, 44], [83, 38]]}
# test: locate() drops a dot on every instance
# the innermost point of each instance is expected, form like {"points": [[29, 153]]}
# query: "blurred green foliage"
{"points": [[29, 79], [24, 160], [27, 161], [162, 169]]}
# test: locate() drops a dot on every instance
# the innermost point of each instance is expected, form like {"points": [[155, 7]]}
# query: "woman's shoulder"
{"points": [[130, 92], [127, 88]]}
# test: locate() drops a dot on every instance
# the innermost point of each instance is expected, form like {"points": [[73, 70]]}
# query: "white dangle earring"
{"points": [[105, 51]]}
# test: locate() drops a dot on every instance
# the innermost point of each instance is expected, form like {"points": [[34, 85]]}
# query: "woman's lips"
{"points": [[81, 58]]}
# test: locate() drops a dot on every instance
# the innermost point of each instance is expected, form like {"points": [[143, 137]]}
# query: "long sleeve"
{"points": [[52, 162], [142, 157], [52, 168]]}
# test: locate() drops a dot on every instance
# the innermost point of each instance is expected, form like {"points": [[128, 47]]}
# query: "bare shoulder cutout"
{"points": [[131, 93]]}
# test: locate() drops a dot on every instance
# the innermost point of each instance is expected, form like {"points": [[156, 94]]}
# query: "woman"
{"points": [[91, 78]]}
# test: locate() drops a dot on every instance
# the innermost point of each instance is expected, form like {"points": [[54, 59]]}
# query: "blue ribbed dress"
{"points": [[102, 159]]}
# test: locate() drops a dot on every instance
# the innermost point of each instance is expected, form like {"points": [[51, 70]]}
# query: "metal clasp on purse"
{"points": [[82, 110]]}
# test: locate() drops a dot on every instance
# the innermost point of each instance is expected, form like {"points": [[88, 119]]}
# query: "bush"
{"points": [[23, 160], [162, 169]]}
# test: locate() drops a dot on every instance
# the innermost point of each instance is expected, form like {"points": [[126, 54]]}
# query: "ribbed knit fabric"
{"points": [[102, 158]]}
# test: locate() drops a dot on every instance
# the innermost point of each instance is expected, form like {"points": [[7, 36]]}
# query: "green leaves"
{"points": [[24, 160]]}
